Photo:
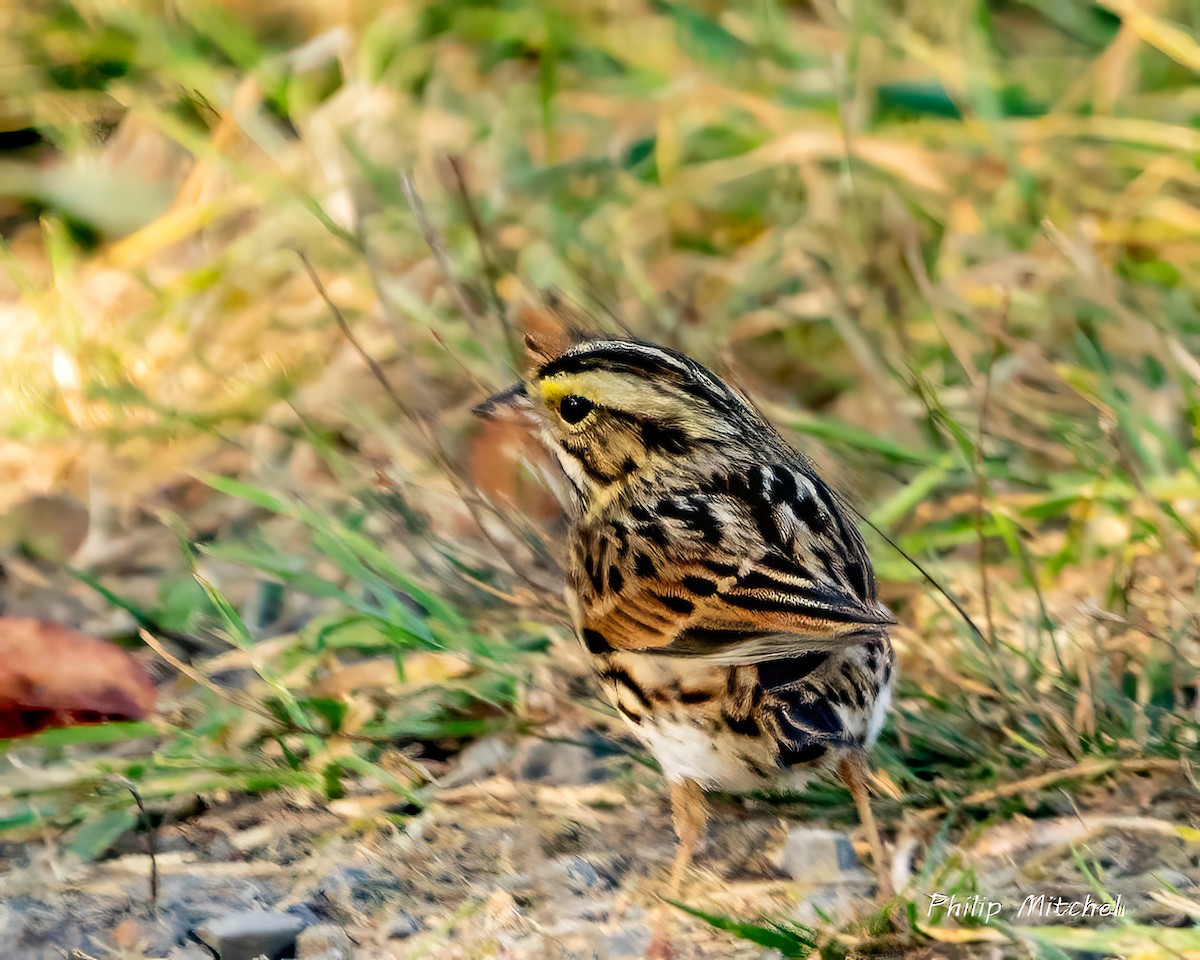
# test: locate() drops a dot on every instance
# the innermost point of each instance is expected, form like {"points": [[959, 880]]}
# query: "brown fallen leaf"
{"points": [[53, 676], [496, 468]]}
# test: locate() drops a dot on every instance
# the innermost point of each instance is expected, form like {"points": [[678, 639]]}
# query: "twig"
{"points": [[475, 381], [981, 491], [1081, 771], [431, 437], [150, 836], [489, 265], [923, 572], [242, 703], [436, 247], [1089, 768], [841, 80], [192, 645], [245, 703], [376, 370]]}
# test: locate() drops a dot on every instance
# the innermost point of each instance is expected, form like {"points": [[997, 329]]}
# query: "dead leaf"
{"points": [[495, 466], [53, 676]]}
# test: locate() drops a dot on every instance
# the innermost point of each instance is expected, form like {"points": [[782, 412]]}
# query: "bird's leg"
{"points": [[689, 813], [853, 770]]}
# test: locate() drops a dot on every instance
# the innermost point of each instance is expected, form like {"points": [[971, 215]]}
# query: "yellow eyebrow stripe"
{"points": [[553, 390], [609, 389]]}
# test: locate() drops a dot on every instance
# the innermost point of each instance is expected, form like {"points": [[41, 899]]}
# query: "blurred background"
{"points": [[260, 260]]}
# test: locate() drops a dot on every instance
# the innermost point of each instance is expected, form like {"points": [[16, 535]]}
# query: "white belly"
{"points": [[686, 751]]}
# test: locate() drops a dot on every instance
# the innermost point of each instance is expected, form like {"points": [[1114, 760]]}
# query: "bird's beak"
{"points": [[510, 404]]}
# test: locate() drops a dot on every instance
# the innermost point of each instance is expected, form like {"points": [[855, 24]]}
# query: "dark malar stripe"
{"points": [[581, 453]]}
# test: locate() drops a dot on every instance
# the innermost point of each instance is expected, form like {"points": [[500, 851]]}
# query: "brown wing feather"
{"points": [[761, 564]]}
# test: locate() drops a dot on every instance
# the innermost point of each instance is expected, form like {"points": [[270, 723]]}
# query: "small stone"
{"points": [[480, 760], [628, 943], [189, 951], [353, 889], [564, 764], [311, 912], [325, 941], [817, 857], [250, 933], [402, 924], [582, 875], [49, 527]]}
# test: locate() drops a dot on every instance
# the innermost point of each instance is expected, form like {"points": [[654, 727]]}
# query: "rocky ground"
{"points": [[541, 849]]}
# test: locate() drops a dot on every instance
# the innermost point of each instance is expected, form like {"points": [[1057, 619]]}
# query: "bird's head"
{"points": [[618, 411]]}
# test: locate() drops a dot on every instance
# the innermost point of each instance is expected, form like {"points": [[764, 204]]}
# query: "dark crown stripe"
{"points": [[632, 356], [644, 359]]}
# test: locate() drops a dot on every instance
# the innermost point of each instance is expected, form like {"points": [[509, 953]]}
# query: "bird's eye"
{"points": [[574, 408]]}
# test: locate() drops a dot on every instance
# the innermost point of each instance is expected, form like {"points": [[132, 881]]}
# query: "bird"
{"points": [[719, 586]]}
